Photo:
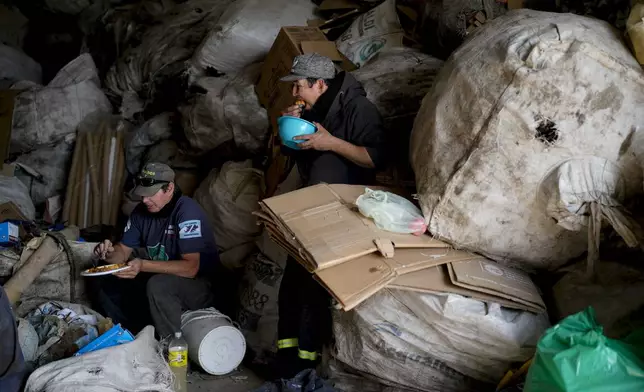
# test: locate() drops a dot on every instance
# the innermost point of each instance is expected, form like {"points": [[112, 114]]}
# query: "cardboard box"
{"points": [[10, 211], [8, 234], [321, 227], [8, 169], [355, 281], [292, 41], [480, 279]]}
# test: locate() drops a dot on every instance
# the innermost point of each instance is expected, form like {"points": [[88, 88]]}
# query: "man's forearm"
{"points": [[183, 268], [356, 154]]}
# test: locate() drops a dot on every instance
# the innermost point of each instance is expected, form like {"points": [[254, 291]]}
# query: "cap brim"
{"points": [[147, 191], [292, 78]]}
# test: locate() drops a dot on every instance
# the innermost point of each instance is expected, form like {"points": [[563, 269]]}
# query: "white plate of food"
{"points": [[105, 270]]}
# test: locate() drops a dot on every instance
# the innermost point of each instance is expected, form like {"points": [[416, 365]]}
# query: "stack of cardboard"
{"points": [[353, 259]]}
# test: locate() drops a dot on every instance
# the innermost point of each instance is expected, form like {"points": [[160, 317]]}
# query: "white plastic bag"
{"points": [[391, 212]]}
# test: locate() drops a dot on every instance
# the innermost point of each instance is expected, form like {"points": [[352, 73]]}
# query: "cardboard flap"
{"points": [[347, 281], [10, 210], [325, 48], [410, 260], [355, 281], [492, 278], [437, 281], [385, 247]]}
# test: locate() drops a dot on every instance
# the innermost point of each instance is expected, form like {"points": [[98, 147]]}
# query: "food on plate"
{"points": [[105, 268]]}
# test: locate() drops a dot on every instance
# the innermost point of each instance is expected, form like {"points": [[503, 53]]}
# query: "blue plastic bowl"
{"points": [[290, 127]]}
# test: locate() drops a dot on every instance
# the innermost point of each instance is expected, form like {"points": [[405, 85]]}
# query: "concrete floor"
{"points": [[242, 380]]}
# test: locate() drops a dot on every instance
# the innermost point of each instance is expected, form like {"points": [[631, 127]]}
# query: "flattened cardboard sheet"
{"points": [[489, 277], [353, 282], [437, 280]]}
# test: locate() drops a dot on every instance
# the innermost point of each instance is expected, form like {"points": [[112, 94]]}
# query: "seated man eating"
{"points": [[182, 254]]}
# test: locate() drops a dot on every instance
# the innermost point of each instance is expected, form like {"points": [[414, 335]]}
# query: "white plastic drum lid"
{"points": [[222, 350]]}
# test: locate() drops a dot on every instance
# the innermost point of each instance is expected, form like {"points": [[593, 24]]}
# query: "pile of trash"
{"points": [[516, 130]]}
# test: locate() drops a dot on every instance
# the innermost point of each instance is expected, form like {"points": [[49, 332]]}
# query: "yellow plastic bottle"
{"points": [[178, 360]]}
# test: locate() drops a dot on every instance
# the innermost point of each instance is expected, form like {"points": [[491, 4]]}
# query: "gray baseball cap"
{"points": [[310, 65], [152, 178]]}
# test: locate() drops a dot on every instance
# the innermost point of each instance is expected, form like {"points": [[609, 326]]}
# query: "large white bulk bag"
{"points": [[226, 108], [133, 366], [42, 116], [16, 66], [527, 132], [165, 46], [435, 342], [246, 31], [397, 79], [51, 164], [138, 140], [229, 196]]}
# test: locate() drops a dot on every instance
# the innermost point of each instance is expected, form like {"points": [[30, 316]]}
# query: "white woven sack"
{"points": [[246, 31], [435, 342], [229, 197], [228, 109], [46, 115], [134, 366], [375, 30]]}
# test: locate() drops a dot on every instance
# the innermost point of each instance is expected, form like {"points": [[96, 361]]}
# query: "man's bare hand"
{"points": [[132, 272], [321, 140], [294, 111], [104, 249]]}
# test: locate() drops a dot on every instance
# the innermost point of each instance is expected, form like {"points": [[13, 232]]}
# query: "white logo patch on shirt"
{"points": [[190, 229], [128, 225]]}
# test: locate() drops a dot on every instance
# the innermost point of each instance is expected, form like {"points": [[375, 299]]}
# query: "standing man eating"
{"points": [[347, 148], [183, 258]]}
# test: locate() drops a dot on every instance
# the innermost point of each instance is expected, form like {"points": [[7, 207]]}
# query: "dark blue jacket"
{"points": [[12, 363]]}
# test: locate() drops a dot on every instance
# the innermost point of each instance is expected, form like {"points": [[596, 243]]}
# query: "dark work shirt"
{"points": [[181, 227]]}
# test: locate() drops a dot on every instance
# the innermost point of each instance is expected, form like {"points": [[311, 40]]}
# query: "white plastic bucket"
{"points": [[213, 342]]}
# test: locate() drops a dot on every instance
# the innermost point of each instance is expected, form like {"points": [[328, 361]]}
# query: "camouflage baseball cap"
{"points": [[310, 65], [152, 178]]}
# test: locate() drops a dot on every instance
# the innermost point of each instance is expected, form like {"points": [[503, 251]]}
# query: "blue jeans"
{"points": [[12, 363]]}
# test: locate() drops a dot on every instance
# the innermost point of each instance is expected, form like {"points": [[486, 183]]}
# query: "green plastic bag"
{"points": [[575, 356]]}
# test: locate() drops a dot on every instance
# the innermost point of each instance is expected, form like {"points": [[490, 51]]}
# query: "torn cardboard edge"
{"points": [[355, 281], [323, 225], [438, 280]]}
